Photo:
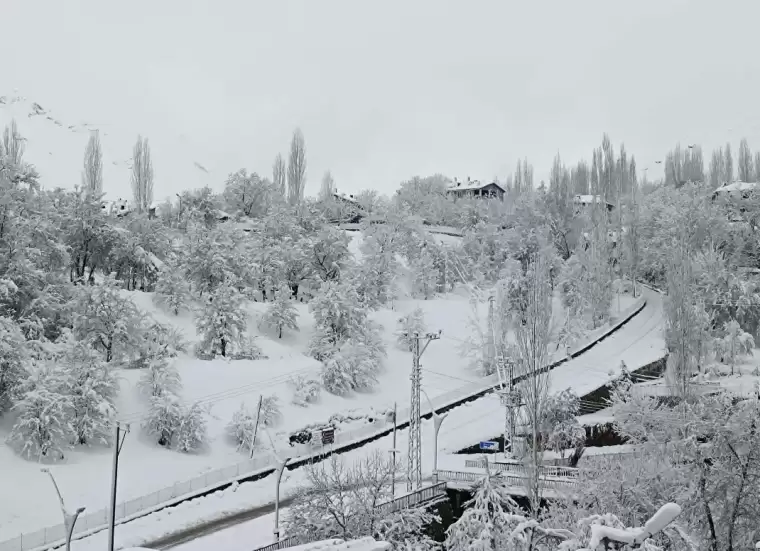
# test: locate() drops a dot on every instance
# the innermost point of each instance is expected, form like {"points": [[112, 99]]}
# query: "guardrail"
{"points": [[254, 469], [521, 469]]}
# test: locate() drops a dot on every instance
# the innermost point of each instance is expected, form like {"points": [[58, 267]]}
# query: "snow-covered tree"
{"points": [[92, 172], [352, 367], [142, 175], [191, 434], [172, 291], [243, 427], [330, 254], [735, 343], [560, 427], [13, 362], [338, 315], [296, 172], [270, 410], [106, 319], [92, 386], [160, 378], [425, 274], [44, 423], [375, 276], [281, 312], [408, 325], [305, 391], [164, 418], [222, 324]]}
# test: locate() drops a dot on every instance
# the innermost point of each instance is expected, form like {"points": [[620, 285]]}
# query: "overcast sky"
{"points": [[386, 90]]}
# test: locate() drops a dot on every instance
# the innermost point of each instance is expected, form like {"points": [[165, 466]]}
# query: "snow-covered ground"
{"points": [[84, 476], [639, 342]]}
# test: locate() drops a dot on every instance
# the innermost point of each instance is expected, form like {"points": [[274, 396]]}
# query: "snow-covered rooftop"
{"points": [[470, 185], [736, 186], [361, 544]]}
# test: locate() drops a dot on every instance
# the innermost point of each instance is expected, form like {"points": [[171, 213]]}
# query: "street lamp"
{"points": [[437, 420], [69, 519], [278, 471]]}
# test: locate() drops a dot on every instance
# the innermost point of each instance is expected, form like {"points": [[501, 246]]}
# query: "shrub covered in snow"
{"points": [[242, 427], [175, 425], [191, 434], [270, 410], [305, 391]]}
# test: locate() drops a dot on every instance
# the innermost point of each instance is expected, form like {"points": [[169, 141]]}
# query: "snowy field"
{"points": [[639, 342]]}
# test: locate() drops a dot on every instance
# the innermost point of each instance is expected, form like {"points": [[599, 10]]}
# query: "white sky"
{"points": [[385, 90]]}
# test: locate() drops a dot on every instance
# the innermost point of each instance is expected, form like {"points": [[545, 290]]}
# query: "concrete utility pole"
{"points": [[118, 443], [256, 426], [415, 414], [69, 519]]}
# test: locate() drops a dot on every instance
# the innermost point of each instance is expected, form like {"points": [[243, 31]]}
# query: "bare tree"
{"points": [[12, 145], [757, 166], [745, 170], [142, 175], [278, 174], [532, 337], [328, 187], [92, 172], [296, 168]]}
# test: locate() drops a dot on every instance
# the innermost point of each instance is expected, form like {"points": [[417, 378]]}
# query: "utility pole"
{"points": [[394, 451], [118, 443], [256, 427], [415, 414]]}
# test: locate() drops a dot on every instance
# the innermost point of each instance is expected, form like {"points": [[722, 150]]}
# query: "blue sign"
{"points": [[489, 445]]}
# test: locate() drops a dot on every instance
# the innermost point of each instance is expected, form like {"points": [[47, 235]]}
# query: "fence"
{"points": [[180, 491], [284, 543]]}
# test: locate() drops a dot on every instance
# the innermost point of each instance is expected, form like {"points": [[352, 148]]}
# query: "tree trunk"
{"points": [[280, 327]]}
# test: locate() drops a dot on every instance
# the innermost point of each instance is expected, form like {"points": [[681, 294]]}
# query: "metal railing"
{"points": [[98, 520], [284, 543], [549, 483], [521, 469], [413, 499]]}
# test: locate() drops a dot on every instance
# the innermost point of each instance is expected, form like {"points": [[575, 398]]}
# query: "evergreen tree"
{"points": [[281, 312]]}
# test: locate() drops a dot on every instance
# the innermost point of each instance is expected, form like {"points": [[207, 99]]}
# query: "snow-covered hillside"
{"points": [[223, 386]]}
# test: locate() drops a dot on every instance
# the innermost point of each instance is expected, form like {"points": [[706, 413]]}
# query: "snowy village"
{"points": [[258, 357]]}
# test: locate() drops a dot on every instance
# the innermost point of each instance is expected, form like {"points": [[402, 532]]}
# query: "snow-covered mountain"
{"points": [[55, 143]]}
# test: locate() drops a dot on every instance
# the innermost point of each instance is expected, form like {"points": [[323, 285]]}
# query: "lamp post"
{"points": [[437, 420], [69, 519], [280, 469]]}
